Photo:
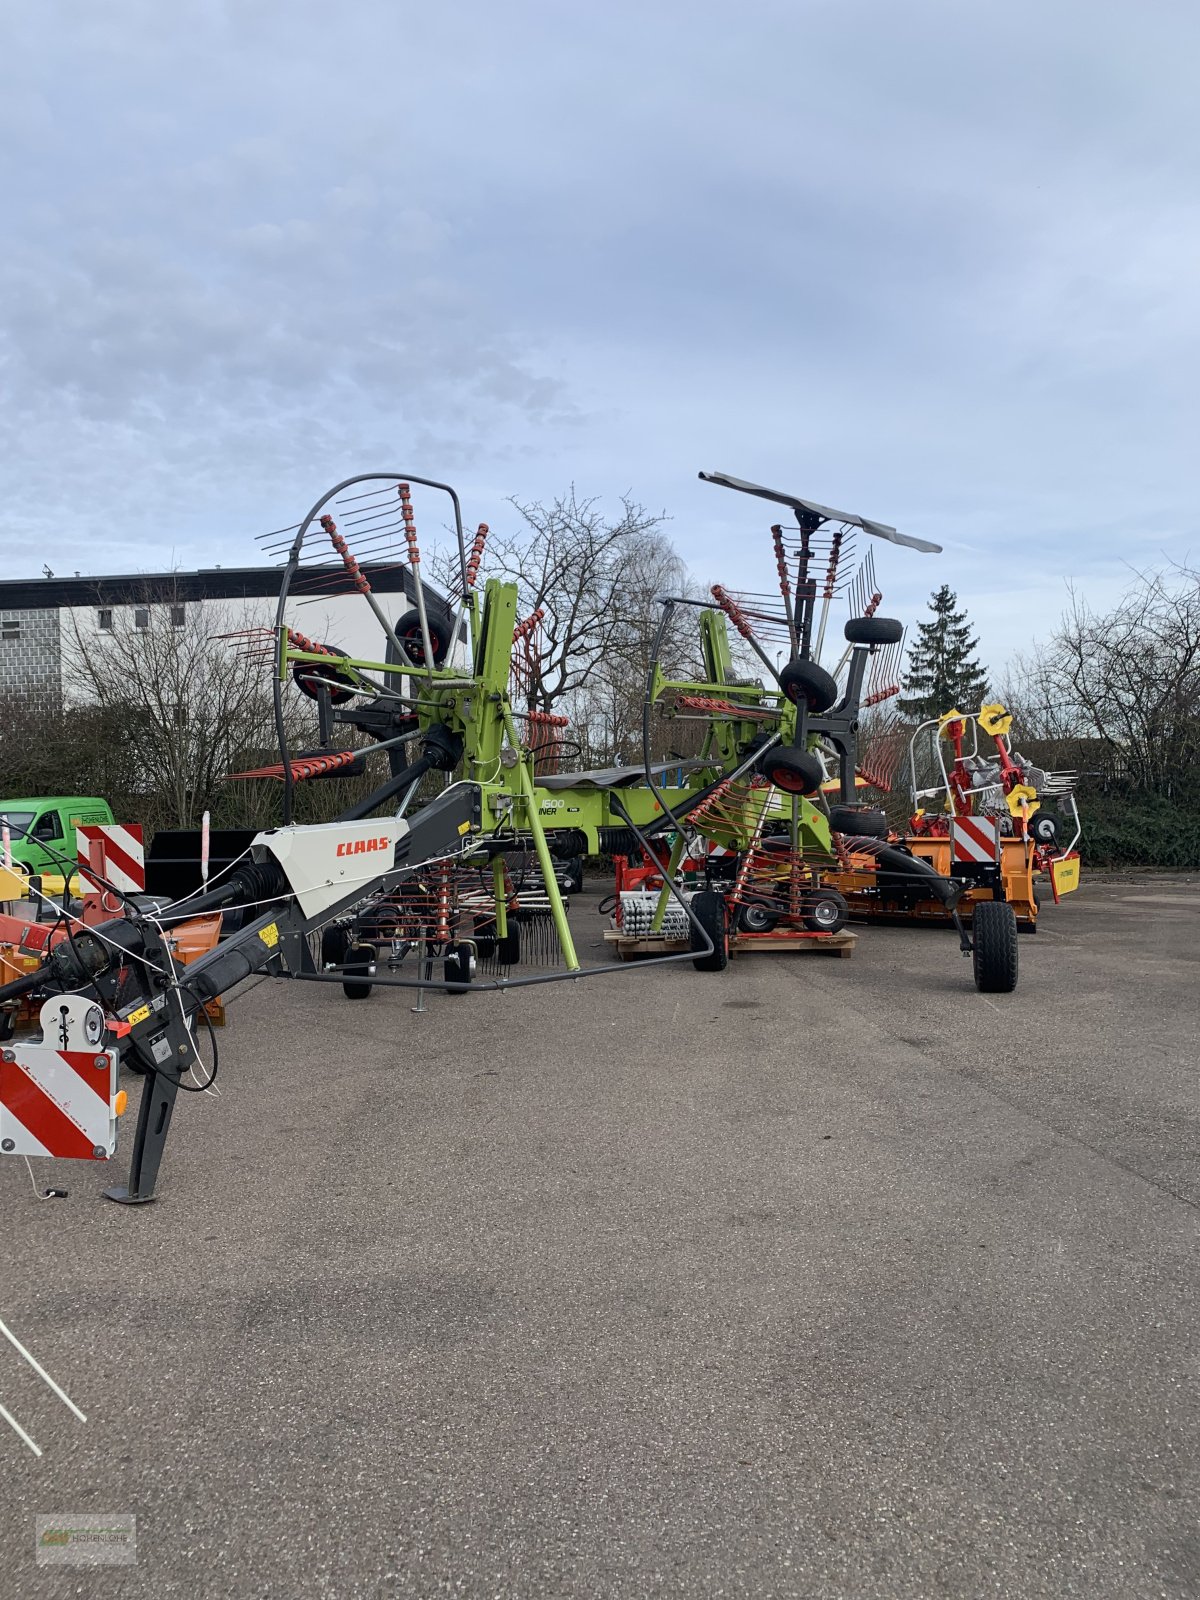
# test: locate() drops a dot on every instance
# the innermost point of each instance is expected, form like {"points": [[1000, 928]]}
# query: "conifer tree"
{"points": [[943, 671]]}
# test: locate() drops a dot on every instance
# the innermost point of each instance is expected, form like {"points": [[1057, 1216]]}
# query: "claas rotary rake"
{"points": [[445, 858], [783, 810]]}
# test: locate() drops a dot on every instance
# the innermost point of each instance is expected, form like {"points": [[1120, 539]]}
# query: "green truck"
{"points": [[42, 831]]}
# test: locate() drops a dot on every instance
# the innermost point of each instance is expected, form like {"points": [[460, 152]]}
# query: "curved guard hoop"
{"points": [[292, 567]]}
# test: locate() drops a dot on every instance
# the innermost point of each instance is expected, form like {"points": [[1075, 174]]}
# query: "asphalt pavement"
{"points": [[810, 1278]]}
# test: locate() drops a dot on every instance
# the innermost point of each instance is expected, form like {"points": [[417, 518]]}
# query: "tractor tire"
{"points": [[572, 876], [757, 919], [805, 680], [860, 822], [1043, 828], [995, 954], [708, 907], [408, 631], [359, 958], [459, 967], [794, 771], [508, 949], [303, 673], [874, 630], [335, 941], [825, 911]]}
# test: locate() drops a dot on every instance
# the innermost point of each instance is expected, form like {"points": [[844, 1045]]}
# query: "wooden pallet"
{"points": [[830, 944], [629, 946]]}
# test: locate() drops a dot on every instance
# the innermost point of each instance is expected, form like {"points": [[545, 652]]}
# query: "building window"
{"points": [[141, 617], [104, 619], [178, 616], [10, 628]]}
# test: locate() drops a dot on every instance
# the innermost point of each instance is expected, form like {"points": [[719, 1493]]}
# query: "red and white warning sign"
{"points": [[112, 853], [59, 1096], [975, 839]]}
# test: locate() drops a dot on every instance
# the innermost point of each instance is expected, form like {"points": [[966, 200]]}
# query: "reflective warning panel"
{"points": [[975, 839], [112, 854], [58, 1096]]}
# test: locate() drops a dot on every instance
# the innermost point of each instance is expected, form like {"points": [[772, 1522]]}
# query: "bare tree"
{"points": [[192, 707], [1126, 680], [582, 572], [53, 750], [606, 709]]}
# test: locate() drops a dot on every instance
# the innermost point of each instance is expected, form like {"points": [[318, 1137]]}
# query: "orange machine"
{"points": [[988, 817]]}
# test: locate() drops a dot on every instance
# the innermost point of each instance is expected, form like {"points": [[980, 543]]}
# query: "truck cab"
{"points": [[42, 830]]}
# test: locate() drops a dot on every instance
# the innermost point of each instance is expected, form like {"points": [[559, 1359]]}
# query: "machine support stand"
{"points": [[424, 968], [153, 1125]]}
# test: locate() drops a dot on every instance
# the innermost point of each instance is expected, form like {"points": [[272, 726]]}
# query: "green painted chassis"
{"points": [[477, 706]]}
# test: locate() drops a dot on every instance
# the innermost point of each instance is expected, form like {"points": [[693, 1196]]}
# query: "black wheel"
{"points": [[459, 966], [994, 936], [335, 941], [794, 771], [805, 680], [756, 919], [572, 876], [825, 911], [1043, 828], [708, 907], [304, 674], [508, 949], [874, 630], [360, 958], [861, 822], [408, 631]]}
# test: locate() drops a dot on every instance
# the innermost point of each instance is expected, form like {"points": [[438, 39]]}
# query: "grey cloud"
{"points": [[929, 260]]}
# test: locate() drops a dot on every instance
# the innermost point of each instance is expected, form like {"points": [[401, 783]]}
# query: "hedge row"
{"points": [[1139, 830]]}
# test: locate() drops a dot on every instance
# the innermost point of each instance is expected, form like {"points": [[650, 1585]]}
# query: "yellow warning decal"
{"points": [[464, 827], [270, 935], [137, 1016]]}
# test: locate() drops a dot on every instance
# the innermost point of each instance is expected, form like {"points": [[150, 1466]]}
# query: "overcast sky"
{"points": [[934, 261]]}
